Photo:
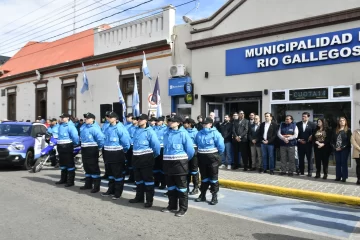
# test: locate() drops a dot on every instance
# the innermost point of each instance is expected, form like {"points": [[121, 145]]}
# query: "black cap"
{"points": [[160, 119], [142, 117], [208, 120], [53, 120], [198, 117], [176, 119], [107, 113], [89, 115], [65, 115], [189, 120], [153, 119], [113, 115], [129, 115]]}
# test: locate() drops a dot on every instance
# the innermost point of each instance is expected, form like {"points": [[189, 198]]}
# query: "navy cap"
{"points": [[143, 117], [113, 115], [208, 120], [89, 115], [65, 115]]}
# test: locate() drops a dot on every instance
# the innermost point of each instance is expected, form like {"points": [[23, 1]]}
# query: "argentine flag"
{"points": [[145, 68]]}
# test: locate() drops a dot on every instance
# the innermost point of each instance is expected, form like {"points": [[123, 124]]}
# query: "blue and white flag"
{"points": [[122, 102], [145, 68], [136, 100], [85, 86], [156, 98]]}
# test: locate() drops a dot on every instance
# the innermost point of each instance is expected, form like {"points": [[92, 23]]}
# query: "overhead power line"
{"points": [[99, 32], [16, 42], [42, 19]]}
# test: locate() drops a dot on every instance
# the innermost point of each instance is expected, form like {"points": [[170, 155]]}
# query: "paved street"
{"points": [[34, 208]]}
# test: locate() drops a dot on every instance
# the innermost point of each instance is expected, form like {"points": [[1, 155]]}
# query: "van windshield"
{"points": [[15, 130]]}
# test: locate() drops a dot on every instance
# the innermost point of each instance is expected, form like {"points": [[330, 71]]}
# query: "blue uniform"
{"points": [[116, 138], [105, 126], [54, 130], [160, 131], [68, 134], [91, 140], [145, 141], [131, 129], [158, 167], [192, 133], [210, 144]]}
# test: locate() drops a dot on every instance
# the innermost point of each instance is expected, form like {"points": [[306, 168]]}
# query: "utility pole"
{"points": [[74, 17]]}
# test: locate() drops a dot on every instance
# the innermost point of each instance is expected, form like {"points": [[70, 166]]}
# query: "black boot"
{"points": [[63, 178], [214, 200], [149, 196], [111, 189], [196, 184], [173, 201], [203, 189], [317, 175], [183, 204], [119, 187], [214, 189], [139, 198], [70, 179], [88, 183], [188, 182], [96, 188]]}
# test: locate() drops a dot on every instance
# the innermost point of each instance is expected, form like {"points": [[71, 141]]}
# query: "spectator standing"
{"points": [[287, 134], [306, 130], [341, 143], [240, 133], [199, 124], [268, 131], [322, 149], [355, 141], [255, 143], [226, 132]]}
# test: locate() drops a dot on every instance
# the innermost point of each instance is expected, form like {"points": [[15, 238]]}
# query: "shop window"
{"points": [[68, 95], [341, 92], [278, 96], [127, 83], [41, 102], [11, 103]]}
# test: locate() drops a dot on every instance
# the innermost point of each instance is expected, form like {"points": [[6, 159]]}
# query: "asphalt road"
{"points": [[33, 207]]}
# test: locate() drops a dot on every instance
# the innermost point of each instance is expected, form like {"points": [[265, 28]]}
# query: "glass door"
{"points": [[217, 108]]}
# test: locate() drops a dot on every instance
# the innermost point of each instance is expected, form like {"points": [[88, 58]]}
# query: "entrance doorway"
{"points": [[247, 106], [217, 108]]}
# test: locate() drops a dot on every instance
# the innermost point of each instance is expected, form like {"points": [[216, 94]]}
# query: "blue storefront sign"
{"points": [[176, 86], [316, 50]]}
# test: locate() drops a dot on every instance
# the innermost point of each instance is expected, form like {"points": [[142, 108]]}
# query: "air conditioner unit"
{"points": [[178, 70]]}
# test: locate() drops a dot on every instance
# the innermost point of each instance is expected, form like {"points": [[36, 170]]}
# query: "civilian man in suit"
{"points": [[255, 144], [240, 134], [268, 131], [306, 130]]}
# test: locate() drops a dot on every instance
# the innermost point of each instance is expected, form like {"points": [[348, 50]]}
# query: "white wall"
{"points": [[260, 13]]}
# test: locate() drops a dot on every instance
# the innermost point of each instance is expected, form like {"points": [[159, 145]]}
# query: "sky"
{"points": [[47, 20]]}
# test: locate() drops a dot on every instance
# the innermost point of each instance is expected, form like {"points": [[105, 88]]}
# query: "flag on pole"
{"points": [[122, 102], [136, 100], [157, 99], [85, 86], [145, 68]]}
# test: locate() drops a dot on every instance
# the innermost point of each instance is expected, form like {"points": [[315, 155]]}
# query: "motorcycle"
{"points": [[48, 151]]}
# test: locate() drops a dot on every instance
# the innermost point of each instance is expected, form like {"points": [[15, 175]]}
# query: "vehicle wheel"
{"points": [[37, 166], [29, 159]]}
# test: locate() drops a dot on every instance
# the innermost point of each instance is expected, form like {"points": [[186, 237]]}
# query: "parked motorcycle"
{"points": [[49, 150]]}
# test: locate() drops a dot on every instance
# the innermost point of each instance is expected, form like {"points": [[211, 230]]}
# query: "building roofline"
{"points": [[87, 59], [281, 28]]}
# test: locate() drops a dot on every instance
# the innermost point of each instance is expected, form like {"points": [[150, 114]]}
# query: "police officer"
{"points": [[178, 149], [189, 125], [54, 131], [159, 176], [146, 147], [153, 121], [92, 139], [129, 155], [68, 137], [103, 129], [210, 144], [117, 142]]}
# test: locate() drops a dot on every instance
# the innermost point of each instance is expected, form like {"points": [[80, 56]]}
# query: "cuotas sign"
{"points": [[316, 50]]}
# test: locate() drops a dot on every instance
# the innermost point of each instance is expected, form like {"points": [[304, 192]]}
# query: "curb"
{"points": [[290, 192]]}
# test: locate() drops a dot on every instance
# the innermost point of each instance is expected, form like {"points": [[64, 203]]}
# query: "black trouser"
{"points": [[115, 162], [177, 191], [321, 157], [66, 156], [244, 150], [193, 171], [209, 170], [90, 159], [128, 164], [250, 165], [357, 168], [305, 150], [144, 178], [159, 176]]}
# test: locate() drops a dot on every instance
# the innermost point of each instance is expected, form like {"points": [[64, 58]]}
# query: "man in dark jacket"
{"points": [[306, 130], [255, 144], [268, 132], [240, 134], [226, 132], [199, 124]]}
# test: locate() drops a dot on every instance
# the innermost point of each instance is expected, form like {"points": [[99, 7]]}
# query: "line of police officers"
{"points": [[153, 155]]}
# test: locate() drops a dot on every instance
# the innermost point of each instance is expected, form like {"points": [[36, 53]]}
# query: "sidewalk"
{"points": [[296, 186]]}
